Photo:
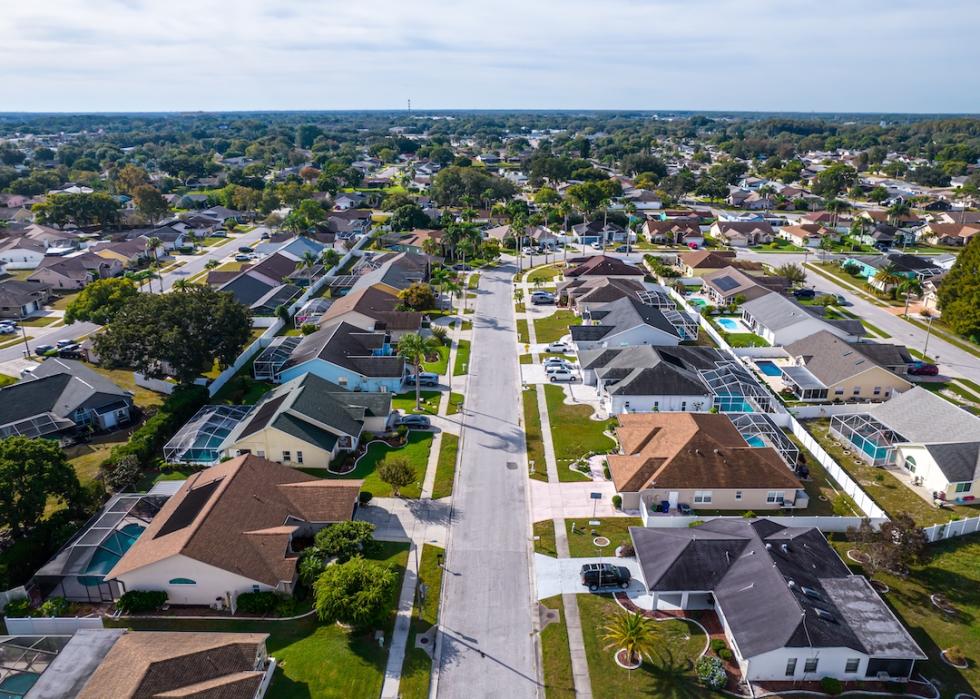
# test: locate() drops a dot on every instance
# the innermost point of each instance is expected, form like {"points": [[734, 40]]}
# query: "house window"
{"points": [[738, 494], [910, 464], [183, 581], [810, 665], [656, 405], [702, 496], [255, 588], [857, 390], [877, 390], [299, 457], [964, 487], [774, 496], [852, 665], [838, 391], [791, 667], [683, 405], [286, 457]]}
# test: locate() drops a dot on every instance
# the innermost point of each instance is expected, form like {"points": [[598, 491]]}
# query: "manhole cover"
{"points": [[512, 465]]}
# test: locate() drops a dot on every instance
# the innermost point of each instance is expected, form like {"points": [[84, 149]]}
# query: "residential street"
{"points": [[488, 647]]}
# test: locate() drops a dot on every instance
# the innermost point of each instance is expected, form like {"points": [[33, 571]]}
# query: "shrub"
{"points": [[344, 540], [718, 644], [257, 602], [365, 497], [711, 672], [402, 431], [308, 328], [749, 514], [695, 523], [141, 601], [626, 550], [617, 501], [55, 606], [121, 475], [955, 655], [367, 437], [726, 654], [18, 608], [831, 685], [396, 472], [358, 592]]}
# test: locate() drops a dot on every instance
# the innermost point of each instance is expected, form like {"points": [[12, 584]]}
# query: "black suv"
{"points": [[598, 575]]}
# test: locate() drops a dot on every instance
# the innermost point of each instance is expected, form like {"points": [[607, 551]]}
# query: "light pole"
{"points": [[925, 348]]}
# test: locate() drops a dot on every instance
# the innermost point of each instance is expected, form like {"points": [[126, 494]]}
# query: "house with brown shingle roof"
{"points": [[949, 233], [374, 308], [807, 235], [230, 528], [676, 230], [742, 234], [603, 266], [699, 459]]}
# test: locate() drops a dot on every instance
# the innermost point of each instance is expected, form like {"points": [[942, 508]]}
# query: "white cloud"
{"points": [[110, 55]]}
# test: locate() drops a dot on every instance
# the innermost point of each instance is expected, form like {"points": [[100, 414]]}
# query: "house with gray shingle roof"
{"points": [[621, 323]]}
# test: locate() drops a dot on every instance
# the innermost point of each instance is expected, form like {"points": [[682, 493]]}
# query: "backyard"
{"points": [[553, 327], [416, 451], [668, 673]]}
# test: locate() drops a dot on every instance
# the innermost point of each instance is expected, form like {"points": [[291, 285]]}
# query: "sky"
{"points": [[754, 55]]}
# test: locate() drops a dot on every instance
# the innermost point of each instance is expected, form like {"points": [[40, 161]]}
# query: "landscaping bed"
{"points": [[415, 450]]}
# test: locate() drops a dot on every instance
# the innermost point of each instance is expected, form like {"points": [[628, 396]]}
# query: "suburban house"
{"points": [[806, 235], [684, 231], [349, 200], [882, 216], [644, 199], [76, 272], [779, 320], [789, 606], [827, 367], [742, 234], [598, 232], [129, 253], [700, 262], [60, 396], [413, 241], [598, 290], [21, 253], [229, 529], [725, 285], [308, 421], [126, 664], [261, 286], [899, 264], [625, 322], [886, 235], [932, 440], [701, 460], [397, 270], [949, 233], [374, 308], [603, 266], [20, 299], [341, 353], [962, 217], [644, 378]]}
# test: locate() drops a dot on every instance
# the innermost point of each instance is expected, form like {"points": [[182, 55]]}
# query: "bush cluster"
{"points": [[257, 602], [141, 601]]}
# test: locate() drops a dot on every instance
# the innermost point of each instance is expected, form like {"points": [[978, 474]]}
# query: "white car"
{"points": [[527, 251], [562, 375], [597, 246], [7, 329], [555, 360], [550, 369], [558, 347]]}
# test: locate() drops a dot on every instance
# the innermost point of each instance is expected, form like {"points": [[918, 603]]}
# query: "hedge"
{"points": [[136, 601], [148, 440], [257, 602]]}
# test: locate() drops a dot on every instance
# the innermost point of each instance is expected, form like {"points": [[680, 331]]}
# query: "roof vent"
{"points": [[792, 584], [810, 592], [784, 548], [717, 451], [768, 546], [825, 615]]}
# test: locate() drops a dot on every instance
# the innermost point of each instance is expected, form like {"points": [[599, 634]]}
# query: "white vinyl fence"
{"points": [[50, 626], [8, 596], [938, 532], [825, 523]]}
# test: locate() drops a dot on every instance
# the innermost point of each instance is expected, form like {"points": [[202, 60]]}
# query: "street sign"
{"points": [[595, 496]]}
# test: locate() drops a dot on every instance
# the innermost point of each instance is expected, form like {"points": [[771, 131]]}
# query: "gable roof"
{"points": [[830, 359], [707, 259], [378, 303], [759, 573], [347, 346], [600, 289], [732, 282], [603, 265], [618, 316], [399, 270], [946, 422], [237, 516], [692, 450], [777, 312], [645, 370]]}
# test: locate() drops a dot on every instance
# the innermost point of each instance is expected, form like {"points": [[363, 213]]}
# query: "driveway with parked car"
{"points": [[555, 576]]}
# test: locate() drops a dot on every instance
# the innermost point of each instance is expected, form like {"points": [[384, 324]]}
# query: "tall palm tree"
{"points": [[887, 276], [834, 208], [630, 209], [414, 348], [182, 285], [438, 278], [454, 286], [152, 245], [909, 287], [631, 632], [329, 258], [897, 211], [766, 191]]}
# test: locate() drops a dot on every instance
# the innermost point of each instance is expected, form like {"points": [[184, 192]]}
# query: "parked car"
{"points": [[550, 369], [598, 575], [804, 293], [426, 378], [542, 300], [11, 323], [41, 350], [558, 347], [415, 422], [61, 344], [551, 361], [246, 248], [243, 257], [841, 300], [623, 248], [693, 246], [923, 369], [527, 250], [462, 267], [596, 246], [563, 375], [7, 329]]}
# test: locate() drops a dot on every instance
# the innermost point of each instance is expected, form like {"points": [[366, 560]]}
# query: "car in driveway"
{"points": [[243, 257], [543, 299], [550, 369], [560, 361], [561, 347], [562, 375], [919, 368], [462, 267], [597, 576], [596, 246], [415, 422], [246, 248], [623, 248], [7, 329], [804, 293], [426, 378]]}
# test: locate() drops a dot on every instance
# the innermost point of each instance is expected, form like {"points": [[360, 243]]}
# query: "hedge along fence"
{"points": [[147, 441]]}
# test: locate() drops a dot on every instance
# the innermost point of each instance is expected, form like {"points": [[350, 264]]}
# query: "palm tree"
{"points": [[630, 209], [897, 211], [766, 191], [182, 285], [631, 632], [430, 246], [834, 208], [438, 277], [152, 245], [909, 287], [414, 348], [887, 276], [329, 258], [454, 286], [211, 264]]}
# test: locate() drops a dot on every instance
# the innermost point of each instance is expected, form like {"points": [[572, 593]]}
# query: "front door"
{"points": [[672, 499]]}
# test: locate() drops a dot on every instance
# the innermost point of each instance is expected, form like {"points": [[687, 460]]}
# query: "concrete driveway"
{"points": [[572, 500], [556, 576], [535, 374]]}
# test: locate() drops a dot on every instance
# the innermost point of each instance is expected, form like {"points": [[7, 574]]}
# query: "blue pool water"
{"points": [[18, 685], [754, 440], [729, 324], [698, 303], [877, 453], [768, 368], [109, 552]]}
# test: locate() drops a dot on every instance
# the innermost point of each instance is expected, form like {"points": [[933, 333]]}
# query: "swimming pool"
{"points": [[768, 368], [698, 303], [18, 685], [754, 440], [109, 552]]}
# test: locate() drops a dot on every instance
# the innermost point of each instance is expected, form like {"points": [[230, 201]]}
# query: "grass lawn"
{"points": [[60, 303], [668, 673], [554, 326], [473, 282], [242, 388], [574, 433], [616, 529], [416, 450], [124, 378], [7, 380], [954, 570], [544, 531], [440, 362], [230, 267], [17, 340], [889, 492], [214, 242], [744, 340], [455, 403], [542, 274], [556, 659], [532, 434], [820, 484], [86, 458], [522, 332], [940, 329], [461, 365], [445, 466], [417, 668], [39, 322], [406, 402], [315, 659]]}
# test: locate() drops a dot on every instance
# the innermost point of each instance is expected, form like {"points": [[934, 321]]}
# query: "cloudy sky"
{"points": [[800, 55]]}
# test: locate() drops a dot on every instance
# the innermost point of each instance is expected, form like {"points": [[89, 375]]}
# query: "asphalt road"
{"points": [[953, 361], [488, 646]]}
